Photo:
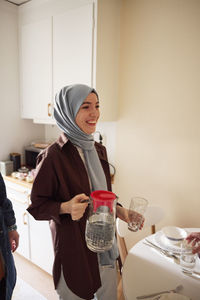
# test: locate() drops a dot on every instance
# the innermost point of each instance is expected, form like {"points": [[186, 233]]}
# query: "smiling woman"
{"points": [[75, 166]]}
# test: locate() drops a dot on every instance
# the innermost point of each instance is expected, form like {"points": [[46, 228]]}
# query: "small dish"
{"points": [[174, 233]]}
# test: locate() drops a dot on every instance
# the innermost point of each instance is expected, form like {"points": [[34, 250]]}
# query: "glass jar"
{"points": [[100, 226]]}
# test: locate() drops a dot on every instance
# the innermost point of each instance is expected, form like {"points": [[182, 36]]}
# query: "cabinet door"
{"points": [[41, 244], [22, 220], [73, 47], [36, 69], [19, 198]]}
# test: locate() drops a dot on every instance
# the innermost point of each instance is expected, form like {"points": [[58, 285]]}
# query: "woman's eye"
{"points": [[97, 106], [85, 107]]}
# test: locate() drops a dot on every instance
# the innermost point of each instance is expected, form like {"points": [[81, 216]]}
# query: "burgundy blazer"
{"points": [[60, 175]]}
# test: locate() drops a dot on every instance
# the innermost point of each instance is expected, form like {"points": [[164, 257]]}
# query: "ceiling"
{"points": [[18, 2]]}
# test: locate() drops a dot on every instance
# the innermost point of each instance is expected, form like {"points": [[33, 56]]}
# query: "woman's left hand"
{"points": [[14, 239]]}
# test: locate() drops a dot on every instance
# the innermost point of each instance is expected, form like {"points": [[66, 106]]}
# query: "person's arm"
{"points": [[44, 196], [8, 216], [44, 191]]}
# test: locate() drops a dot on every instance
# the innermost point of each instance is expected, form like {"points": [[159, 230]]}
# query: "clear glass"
{"points": [[139, 205], [187, 258], [100, 227]]}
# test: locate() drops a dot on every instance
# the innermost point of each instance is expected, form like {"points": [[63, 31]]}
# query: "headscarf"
{"points": [[67, 104]]}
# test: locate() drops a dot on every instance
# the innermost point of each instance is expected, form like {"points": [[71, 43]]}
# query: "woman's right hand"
{"points": [[76, 207]]}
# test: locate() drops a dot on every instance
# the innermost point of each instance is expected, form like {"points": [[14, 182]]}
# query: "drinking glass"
{"points": [[187, 258], [137, 205]]}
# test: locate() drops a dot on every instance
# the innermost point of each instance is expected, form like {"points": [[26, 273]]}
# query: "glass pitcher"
{"points": [[100, 226]]}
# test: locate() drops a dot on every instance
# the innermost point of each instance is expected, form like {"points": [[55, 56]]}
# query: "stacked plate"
{"points": [[170, 238], [175, 234]]}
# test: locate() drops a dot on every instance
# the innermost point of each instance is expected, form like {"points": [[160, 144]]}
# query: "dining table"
{"points": [[147, 270]]}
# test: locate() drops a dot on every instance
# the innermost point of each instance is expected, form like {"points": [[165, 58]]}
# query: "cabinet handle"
{"points": [[24, 218], [28, 198], [49, 109]]}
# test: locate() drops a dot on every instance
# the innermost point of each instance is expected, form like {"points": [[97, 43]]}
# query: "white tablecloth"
{"points": [[147, 271]]}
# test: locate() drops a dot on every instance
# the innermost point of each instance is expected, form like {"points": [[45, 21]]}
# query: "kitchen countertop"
{"points": [[20, 182]]}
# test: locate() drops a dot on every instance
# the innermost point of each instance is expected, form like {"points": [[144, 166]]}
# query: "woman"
{"points": [[67, 172], [9, 239]]}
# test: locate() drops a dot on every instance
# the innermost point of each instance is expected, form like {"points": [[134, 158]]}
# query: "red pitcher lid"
{"points": [[103, 198]]}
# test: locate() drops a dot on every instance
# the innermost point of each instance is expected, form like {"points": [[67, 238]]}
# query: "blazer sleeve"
{"points": [[43, 195]]}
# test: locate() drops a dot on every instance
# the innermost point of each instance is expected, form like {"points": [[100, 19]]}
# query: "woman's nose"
{"points": [[93, 111]]}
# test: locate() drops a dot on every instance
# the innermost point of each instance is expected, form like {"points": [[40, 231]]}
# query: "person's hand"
{"points": [[123, 214], [135, 218], [194, 239], [76, 206], [14, 239]]}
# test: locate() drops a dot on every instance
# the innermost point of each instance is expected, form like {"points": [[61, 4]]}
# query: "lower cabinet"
{"points": [[35, 241], [41, 244], [22, 228]]}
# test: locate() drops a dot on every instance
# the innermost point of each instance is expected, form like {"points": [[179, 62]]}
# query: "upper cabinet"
{"points": [[73, 47], [36, 70], [56, 49], [63, 42]]}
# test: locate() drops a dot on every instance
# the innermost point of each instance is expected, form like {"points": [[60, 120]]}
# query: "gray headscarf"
{"points": [[67, 104]]}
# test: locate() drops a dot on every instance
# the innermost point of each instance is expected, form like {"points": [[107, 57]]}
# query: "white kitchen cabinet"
{"points": [[73, 47], [36, 70], [35, 241], [20, 199], [56, 49], [84, 45], [41, 244]]}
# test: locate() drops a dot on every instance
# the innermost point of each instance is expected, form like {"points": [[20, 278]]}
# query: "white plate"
{"points": [[174, 233], [169, 245]]}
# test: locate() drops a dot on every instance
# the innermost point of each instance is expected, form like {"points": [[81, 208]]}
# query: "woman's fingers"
{"points": [[79, 205], [78, 210]]}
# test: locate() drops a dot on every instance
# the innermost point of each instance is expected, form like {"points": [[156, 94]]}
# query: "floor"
{"points": [[40, 281], [24, 291]]}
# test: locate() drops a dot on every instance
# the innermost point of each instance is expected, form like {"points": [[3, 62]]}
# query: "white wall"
{"points": [[107, 57], [158, 132], [15, 133]]}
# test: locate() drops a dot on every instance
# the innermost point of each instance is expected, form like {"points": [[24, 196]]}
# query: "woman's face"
{"points": [[88, 114]]}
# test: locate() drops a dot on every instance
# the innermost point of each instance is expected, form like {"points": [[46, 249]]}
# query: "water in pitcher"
{"points": [[100, 226], [100, 234]]}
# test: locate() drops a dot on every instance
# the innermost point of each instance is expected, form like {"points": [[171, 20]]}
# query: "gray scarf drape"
{"points": [[67, 104]]}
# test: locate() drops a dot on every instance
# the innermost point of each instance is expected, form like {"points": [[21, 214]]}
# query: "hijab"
{"points": [[67, 103]]}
